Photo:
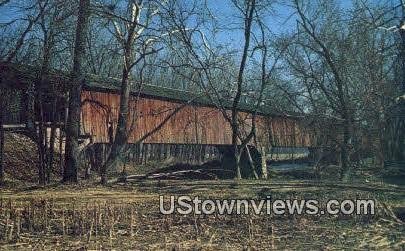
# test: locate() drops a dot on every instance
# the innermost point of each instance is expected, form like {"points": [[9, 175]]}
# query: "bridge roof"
{"points": [[171, 94], [26, 73]]}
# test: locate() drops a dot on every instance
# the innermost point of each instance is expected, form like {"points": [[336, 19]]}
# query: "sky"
{"points": [[219, 7], [279, 21]]}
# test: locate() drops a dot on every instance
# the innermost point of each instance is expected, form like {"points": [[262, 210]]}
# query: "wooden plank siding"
{"points": [[191, 125], [195, 124]]}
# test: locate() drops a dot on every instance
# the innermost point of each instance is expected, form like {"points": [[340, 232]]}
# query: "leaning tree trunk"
{"points": [[73, 123], [251, 163], [250, 10], [121, 135]]}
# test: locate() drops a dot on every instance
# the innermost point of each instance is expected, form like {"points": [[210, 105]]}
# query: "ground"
{"points": [[126, 216]]}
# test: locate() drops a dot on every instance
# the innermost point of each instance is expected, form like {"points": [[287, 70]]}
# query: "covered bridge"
{"points": [[195, 132]]}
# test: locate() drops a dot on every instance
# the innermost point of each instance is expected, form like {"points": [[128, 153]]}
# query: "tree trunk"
{"points": [[264, 163], [30, 117], [400, 153], [251, 5], [121, 135], [344, 155], [1, 143], [41, 143], [73, 124], [236, 154], [72, 137], [237, 165], [52, 138], [381, 150], [251, 163], [34, 132]]}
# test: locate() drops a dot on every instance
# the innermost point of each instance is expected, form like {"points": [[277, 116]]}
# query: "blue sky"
{"points": [[279, 21], [221, 7], [224, 12]]}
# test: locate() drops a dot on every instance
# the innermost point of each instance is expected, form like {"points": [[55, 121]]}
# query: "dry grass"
{"points": [[20, 158], [123, 217]]}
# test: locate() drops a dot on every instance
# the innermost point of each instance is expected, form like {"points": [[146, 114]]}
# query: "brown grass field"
{"points": [[127, 217]]}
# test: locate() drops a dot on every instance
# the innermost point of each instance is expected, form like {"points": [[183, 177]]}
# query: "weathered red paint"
{"points": [[191, 125]]}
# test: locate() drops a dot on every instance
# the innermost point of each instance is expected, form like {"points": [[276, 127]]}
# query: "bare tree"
{"points": [[133, 32], [334, 82], [341, 101], [126, 41], [32, 20], [51, 26], [73, 123], [38, 13], [216, 78], [248, 12]]}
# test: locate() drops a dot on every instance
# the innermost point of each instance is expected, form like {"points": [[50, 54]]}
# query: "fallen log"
{"points": [[131, 177], [184, 174]]}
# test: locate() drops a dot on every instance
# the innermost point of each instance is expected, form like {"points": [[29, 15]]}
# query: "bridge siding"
{"points": [[191, 125]]}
